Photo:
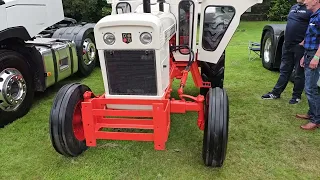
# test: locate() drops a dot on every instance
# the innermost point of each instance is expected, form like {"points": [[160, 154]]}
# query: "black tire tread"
{"points": [[60, 116], [216, 128]]}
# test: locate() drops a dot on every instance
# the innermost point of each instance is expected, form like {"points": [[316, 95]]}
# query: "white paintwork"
{"points": [[200, 5], [157, 22], [240, 7], [34, 15], [135, 23], [3, 18]]}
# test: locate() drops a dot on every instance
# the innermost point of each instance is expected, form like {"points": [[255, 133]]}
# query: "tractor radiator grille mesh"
{"points": [[131, 72]]}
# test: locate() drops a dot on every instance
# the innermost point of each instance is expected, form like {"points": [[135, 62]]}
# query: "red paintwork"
{"points": [[77, 123], [96, 116]]}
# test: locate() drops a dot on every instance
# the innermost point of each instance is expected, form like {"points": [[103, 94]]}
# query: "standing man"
{"points": [[310, 62], [292, 52]]}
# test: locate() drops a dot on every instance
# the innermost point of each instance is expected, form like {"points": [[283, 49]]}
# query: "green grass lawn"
{"points": [[265, 141]]}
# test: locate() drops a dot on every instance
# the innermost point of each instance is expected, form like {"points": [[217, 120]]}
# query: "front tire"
{"points": [[65, 124], [215, 137], [16, 86]]}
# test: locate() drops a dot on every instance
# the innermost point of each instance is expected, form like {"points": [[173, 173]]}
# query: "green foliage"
{"points": [[279, 9], [86, 10]]}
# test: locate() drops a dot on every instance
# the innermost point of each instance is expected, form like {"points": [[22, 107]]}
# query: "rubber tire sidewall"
{"points": [[12, 59], [217, 143], [268, 65], [83, 69], [61, 117]]}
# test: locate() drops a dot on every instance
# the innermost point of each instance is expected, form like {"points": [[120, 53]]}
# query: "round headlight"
{"points": [[145, 38], [109, 38]]}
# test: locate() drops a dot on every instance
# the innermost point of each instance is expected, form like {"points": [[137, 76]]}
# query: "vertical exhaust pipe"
{"points": [[161, 5], [146, 6]]}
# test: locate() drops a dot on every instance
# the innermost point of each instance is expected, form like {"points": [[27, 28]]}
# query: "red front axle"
{"points": [[96, 117]]}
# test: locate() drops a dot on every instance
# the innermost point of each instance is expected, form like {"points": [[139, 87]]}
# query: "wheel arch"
{"points": [[277, 31], [74, 33], [18, 32]]}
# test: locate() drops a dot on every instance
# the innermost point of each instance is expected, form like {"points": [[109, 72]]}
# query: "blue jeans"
{"points": [[291, 56], [311, 87]]}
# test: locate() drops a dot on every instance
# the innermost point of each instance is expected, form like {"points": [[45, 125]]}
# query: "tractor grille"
{"points": [[131, 72]]}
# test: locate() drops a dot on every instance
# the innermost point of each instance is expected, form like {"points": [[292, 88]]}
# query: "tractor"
{"points": [[143, 46]]}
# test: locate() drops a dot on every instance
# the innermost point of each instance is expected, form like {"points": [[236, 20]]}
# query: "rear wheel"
{"points": [[87, 55], [215, 137], [267, 51], [66, 129], [16, 86], [213, 73]]}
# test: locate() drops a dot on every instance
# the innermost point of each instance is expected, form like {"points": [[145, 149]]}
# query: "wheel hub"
{"points": [[13, 89], [89, 51], [266, 53]]}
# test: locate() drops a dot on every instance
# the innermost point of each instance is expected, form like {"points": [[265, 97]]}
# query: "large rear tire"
{"points": [[213, 73], [16, 86], [215, 137], [66, 129]]}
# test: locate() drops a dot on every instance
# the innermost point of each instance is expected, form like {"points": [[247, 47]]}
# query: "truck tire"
{"points": [[267, 51], [87, 61], [85, 43], [16, 86]]}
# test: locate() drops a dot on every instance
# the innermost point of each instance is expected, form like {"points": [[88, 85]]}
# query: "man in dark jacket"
{"points": [[292, 52]]}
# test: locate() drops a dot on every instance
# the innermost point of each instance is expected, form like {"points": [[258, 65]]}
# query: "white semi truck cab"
{"points": [[38, 48]]}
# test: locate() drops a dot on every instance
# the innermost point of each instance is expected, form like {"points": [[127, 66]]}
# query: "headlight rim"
{"points": [[141, 38], [105, 36]]}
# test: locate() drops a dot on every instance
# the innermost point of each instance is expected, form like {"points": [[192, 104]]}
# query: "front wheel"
{"points": [[66, 128], [16, 86], [215, 137]]}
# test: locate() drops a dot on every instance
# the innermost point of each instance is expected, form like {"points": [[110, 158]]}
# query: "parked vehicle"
{"points": [[38, 48]]}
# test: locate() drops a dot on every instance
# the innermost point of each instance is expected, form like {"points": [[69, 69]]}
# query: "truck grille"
{"points": [[131, 72]]}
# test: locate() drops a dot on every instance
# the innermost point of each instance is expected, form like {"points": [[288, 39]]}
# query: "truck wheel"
{"points": [[86, 48], [267, 51], [66, 129], [16, 86], [89, 54], [215, 137]]}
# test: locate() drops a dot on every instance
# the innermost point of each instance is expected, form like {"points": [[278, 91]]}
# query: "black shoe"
{"points": [[270, 96], [294, 100]]}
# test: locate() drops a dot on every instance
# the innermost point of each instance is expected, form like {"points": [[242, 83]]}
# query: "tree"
{"points": [[86, 10], [279, 9]]}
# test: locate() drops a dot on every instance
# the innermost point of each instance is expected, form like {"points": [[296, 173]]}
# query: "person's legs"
{"points": [[286, 67], [299, 76], [312, 93]]}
